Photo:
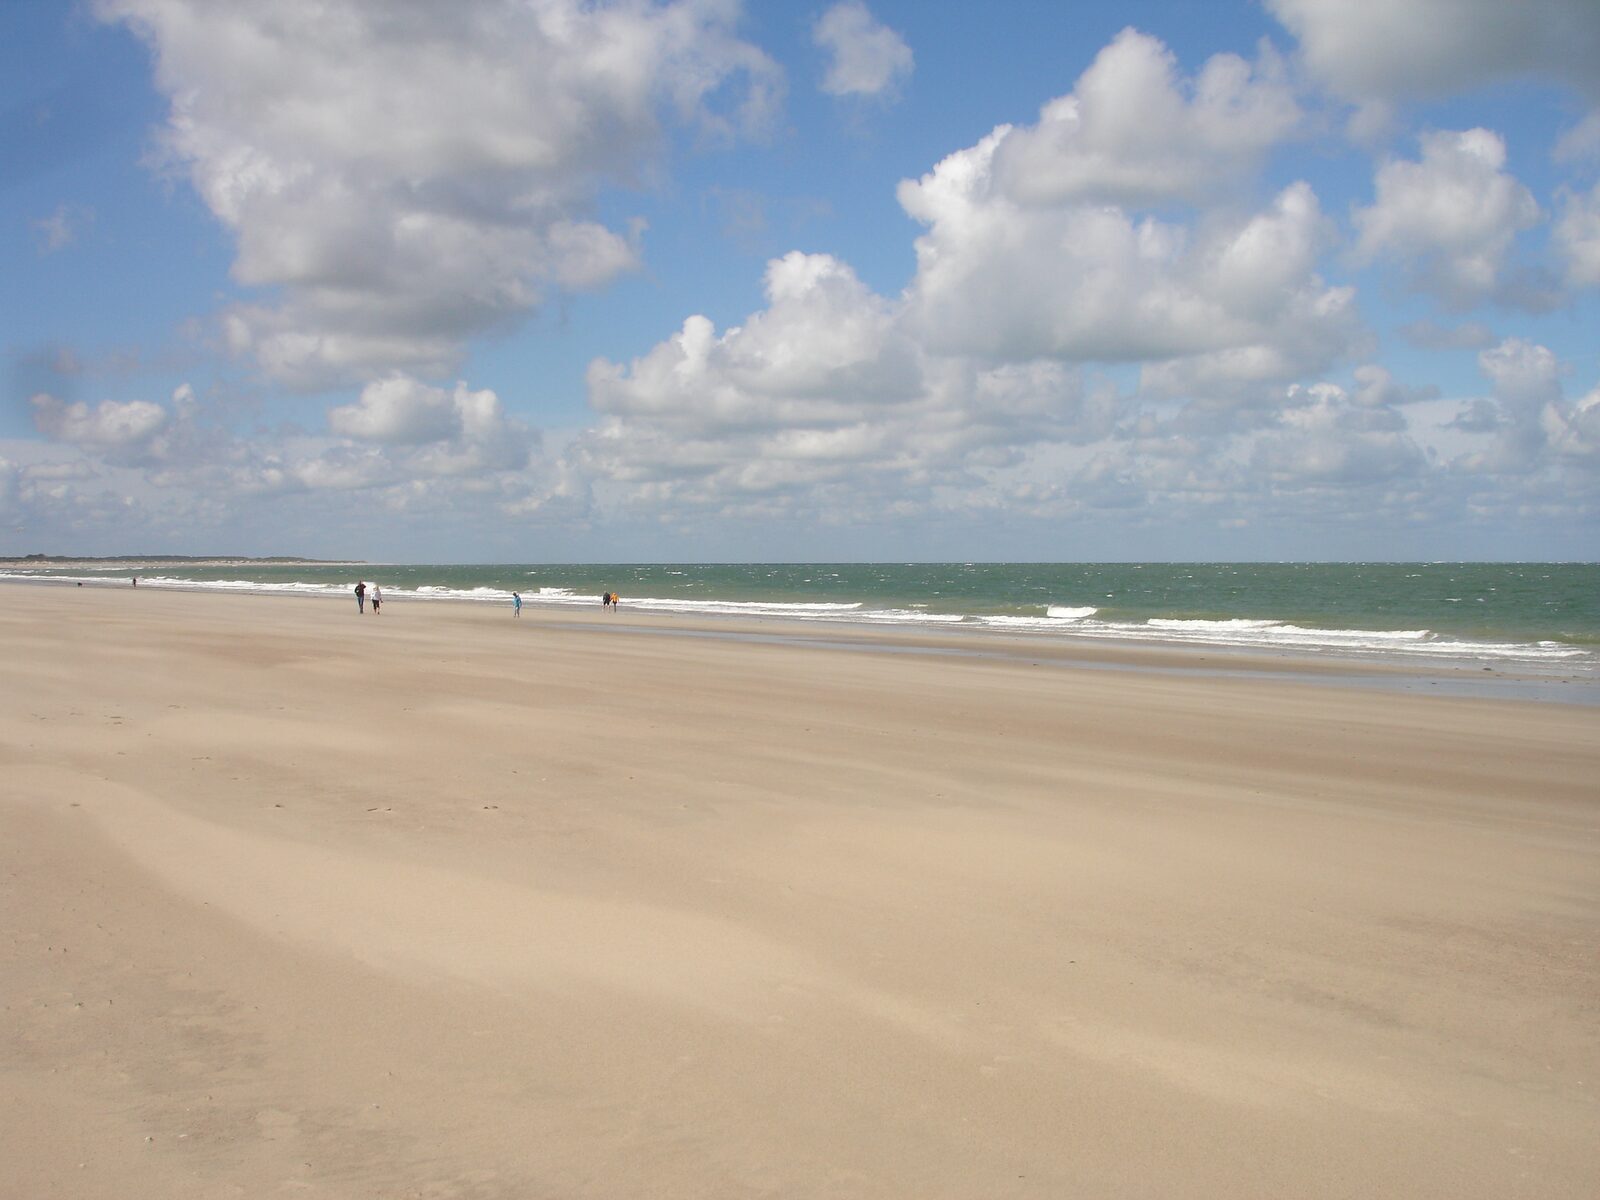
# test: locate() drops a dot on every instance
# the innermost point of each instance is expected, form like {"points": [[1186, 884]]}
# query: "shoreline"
{"points": [[1555, 683]]}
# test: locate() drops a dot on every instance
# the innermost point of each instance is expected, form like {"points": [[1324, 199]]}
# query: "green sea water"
{"points": [[1509, 610]]}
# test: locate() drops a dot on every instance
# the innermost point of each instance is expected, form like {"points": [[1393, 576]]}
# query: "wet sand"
{"points": [[442, 903]]}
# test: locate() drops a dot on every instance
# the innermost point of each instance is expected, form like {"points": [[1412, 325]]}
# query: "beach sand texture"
{"points": [[439, 904]]}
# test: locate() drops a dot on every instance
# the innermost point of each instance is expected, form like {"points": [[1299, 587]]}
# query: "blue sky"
{"points": [[542, 280]]}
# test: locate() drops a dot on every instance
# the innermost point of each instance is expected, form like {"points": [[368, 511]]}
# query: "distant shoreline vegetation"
{"points": [[154, 559], [301, 560]]}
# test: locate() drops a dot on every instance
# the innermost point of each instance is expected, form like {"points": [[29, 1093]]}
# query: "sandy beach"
{"points": [[446, 904]]}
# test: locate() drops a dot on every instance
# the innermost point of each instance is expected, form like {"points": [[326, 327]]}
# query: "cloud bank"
{"points": [[1125, 310]]}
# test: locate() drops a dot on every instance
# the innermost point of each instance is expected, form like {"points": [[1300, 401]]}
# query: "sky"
{"points": [[899, 280]]}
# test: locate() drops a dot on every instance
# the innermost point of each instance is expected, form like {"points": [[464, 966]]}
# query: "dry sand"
{"points": [[443, 904]]}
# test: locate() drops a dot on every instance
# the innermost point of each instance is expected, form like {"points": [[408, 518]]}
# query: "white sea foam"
{"points": [[1042, 624], [1247, 633], [1275, 635], [240, 585], [1230, 625], [903, 616], [746, 608], [1061, 613]]}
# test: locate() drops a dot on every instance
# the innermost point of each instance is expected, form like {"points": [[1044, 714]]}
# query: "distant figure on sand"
{"points": [[361, 596], [605, 599], [615, 600], [135, 581], [516, 604], [377, 598]]}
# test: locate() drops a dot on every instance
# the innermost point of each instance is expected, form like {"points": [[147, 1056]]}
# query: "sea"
{"points": [[1529, 616]]}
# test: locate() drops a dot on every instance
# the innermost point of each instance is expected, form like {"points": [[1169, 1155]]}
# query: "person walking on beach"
{"points": [[605, 599], [615, 601], [377, 598], [361, 596], [516, 604]]}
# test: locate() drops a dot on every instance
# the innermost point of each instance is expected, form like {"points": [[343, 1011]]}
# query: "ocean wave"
{"points": [[1042, 624], [903, 616], [747, 608], [429, 591], [239, 585], [1061, 613], [1229, 625], [1277, 635]]}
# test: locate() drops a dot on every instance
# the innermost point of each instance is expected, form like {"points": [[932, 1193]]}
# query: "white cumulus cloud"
{"points": [[409, 176], [1133, 131], [1389, 51], [1450, 216], [1376, 387], [398, 411], [110, 424], [820, 405], [1336, 439], [1574, 433], [1527, 410], [1092, 283], [441, 432], [1577, 237], [865, 57]]}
